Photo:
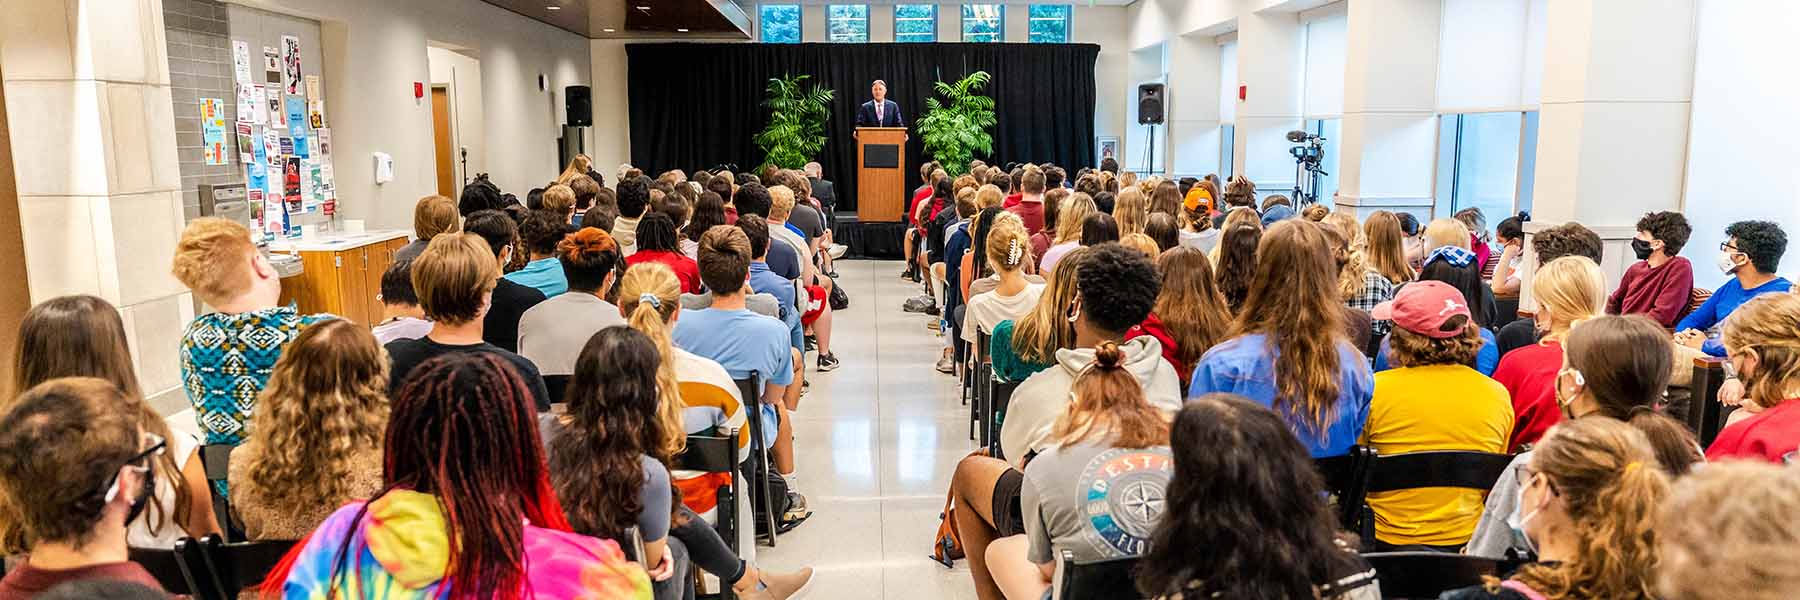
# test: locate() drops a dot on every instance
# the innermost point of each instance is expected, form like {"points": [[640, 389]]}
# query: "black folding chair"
{"points": [[1705, 415], [718, 455], [1426, 574], [632, 544], [999, 396], [215, 459], [230, 568], [1109, 579], [175, 569], [751, 389], [1347, 480], [1437, 468]]}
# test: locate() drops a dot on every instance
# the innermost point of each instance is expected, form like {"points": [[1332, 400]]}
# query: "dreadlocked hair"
{"points": [[596, 460], [649, 294], [1292, 302], [463, 429]]}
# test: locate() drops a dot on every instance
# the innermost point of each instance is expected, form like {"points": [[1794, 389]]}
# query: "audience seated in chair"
{"points": [[227, 354], [1567, 239], [765, 281], [1110, 441], [1007, 250], [463, 459], [1455, 267], [1116, 290], [316, 442], [1587, 481], [1762, 339], [1510, 233], [1660, 283], [401, 317], [500, 325], [541, 231], [1024, 346], [1727, 532], [1190, 315], [1321, 382], [455, 278], [1432, 400], [1613, 367], [633, 193], [1568, 290], [656, 242], [75, 465], [83, 336], [552, 333], [1750, 257], [1239, 472], [431, 216]]}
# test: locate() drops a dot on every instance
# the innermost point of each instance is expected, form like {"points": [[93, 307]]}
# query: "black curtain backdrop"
{"points": [[696, 106]]}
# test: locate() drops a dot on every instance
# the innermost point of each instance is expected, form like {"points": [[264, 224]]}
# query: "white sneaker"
{"points": [[837, 251]]}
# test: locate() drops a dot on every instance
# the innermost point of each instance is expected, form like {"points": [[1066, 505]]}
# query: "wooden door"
{"points": [[380, 256], [352, 290], [15, 298], [440, 135]]}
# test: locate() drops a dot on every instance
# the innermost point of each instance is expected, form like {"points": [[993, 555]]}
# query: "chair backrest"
{"points": [[751, 389], [1347, 478], [1427, 574], [709, 453], [1438, 468], [215, 459], [1696, 297], [233, 567], [175, 569], [557, 386], [1109, 579]]}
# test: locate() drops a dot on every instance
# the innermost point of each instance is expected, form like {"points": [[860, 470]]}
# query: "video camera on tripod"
{"points": [[1308, 155]]}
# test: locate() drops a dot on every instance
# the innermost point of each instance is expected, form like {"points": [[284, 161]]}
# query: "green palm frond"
{"points": [[957, 127], [795, 132]]}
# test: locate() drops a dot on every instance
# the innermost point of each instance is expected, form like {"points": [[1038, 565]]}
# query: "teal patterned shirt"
{"points": [[226, 360]]}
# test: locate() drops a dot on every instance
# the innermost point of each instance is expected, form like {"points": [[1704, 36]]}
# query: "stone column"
{"points": [[1389, 139], [93, 143], [1268, 57], [1193, 108]]}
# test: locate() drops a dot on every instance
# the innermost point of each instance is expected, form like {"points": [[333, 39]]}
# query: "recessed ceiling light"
{"points": [[681, 29], [609, 30], [553, 7], [643, 8]]}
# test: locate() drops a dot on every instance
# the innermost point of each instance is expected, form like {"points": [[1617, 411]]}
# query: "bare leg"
{"points": [[782, 453], [1017, 576], [791, 398], [822, 330], [973, 486]]}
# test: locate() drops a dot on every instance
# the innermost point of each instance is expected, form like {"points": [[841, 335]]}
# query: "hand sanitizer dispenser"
{"points": [[384, 167]]}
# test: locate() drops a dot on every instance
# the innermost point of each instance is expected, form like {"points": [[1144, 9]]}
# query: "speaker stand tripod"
{"points": [[1150, 150]]}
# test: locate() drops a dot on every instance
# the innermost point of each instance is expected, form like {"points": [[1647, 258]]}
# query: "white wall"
{"points": [[1491, 54], [376, 50], [1740, 159], [461, 77]]}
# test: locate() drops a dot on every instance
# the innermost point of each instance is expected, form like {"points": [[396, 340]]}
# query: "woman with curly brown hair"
{"points": [[315, 443], [1588, 503]]}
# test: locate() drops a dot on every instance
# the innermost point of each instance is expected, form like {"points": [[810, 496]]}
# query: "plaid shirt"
{"points": [[1376, 290]]}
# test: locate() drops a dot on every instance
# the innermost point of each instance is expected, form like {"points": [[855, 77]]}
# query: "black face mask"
{"points": [[1641, 248]]}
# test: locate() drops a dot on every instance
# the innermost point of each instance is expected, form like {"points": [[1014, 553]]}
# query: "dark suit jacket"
{"points": [[890, 115], [823, 191]]}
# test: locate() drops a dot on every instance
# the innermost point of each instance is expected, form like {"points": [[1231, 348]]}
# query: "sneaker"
{"points": [[937, 326], [786, 586], [919, 304], [828, 363], [932, 309], [909, 272], [945, 365], [837, 251], [812, 343]]}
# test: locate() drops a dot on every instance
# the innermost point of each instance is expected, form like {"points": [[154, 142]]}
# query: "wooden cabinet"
{"points": [[341, 275]]}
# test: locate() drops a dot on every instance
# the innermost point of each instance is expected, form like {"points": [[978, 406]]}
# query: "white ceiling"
{"points": [[952, 2]]}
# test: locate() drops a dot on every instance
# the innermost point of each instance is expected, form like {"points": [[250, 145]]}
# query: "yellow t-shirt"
{"points": [[1438, 407]]}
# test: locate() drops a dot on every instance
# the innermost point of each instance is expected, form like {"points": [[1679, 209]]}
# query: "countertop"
{"points": [[336, 240]]}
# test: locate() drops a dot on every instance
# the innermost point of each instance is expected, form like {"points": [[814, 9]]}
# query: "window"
{"points": [[1326, 184], [915, 23], [1227, 150], [847, 23], [1049, 23], [780, 23], [983, 23], [1486, 161]]}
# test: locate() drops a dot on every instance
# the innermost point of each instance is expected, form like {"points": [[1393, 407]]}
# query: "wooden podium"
{"points": [[880, 174]]}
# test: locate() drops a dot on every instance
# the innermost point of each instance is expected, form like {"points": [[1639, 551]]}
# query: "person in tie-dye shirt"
{"points": [[227, 354], [466, 511]]}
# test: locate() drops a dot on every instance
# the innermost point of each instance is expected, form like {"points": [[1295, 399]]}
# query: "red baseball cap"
{"points": [[1425, 308]]}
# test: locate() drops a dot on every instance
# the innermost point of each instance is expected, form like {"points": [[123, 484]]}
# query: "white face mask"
{"points": [[1517, 520], [1726, 263]]}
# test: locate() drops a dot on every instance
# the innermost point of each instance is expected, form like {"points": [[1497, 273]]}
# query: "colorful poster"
{"points": [[259, 103], [287, 147], [295, 116], [259, 152], [290, 64], [271, 147], [323, 137], [240, 62], [290, 184], [246, 147], [271, 65], [302, 149], [212, 130], [315, 113], [246, 104], [256, 177]]}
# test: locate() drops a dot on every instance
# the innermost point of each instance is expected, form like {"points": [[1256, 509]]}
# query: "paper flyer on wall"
{"points": [[277, 112], [302, 149], [246, 147], [246, 104], [290, 64], [290, 184], [259, 153], [308, 203], [312, 88], [271, 147], [256, 176], [271, 65], [287, 146], [315, 113], [240, 62], [323, 139], [295, 115], [212, 130], [259, 105]]}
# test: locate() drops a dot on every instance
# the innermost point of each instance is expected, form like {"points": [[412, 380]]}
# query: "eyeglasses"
{"points": [[1523, 473], [154, 445], [1727, 247]]}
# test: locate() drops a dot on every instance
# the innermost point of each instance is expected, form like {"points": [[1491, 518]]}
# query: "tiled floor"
{"points": [[877, 440]]}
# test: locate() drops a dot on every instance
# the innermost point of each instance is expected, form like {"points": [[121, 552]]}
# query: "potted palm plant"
{"points": [[955, 129], [796, 130]]}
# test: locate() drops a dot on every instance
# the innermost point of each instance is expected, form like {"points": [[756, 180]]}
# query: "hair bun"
{"points": [[1107, 355]]}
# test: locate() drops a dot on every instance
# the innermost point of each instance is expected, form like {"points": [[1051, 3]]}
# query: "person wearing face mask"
{"points": [[1568, 290], [1750, 255], [1614, 367], [1762, 339], [76, 469], [1587, 503], [1660, 283]]}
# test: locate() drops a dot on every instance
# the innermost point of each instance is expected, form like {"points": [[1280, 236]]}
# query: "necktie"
{"points": [[878, 113]]}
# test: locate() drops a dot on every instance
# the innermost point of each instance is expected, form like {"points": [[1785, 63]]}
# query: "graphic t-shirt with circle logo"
{"points": [[1095, 501]]}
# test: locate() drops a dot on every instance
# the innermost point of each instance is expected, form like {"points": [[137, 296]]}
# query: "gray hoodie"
{"points": [[1040, 399]]}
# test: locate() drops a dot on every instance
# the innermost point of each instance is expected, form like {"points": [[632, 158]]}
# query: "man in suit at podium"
{"points": [[880, 112]]}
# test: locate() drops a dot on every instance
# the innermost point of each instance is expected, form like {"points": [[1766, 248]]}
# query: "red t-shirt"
{"points": [[1529, 374], [685, 269], [1032, 213], [913, 207], [1661, 293], [1770, 435], [26, 582]]}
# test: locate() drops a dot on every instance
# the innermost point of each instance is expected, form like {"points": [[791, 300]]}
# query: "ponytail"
{"points": [[1675, 447], [649, 294], [1110, 401]]}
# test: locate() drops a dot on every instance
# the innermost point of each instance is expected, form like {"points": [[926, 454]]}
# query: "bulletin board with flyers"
{"points": [[282, 130]]}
